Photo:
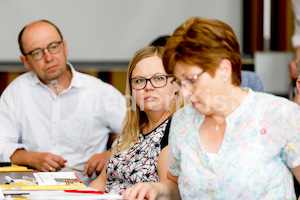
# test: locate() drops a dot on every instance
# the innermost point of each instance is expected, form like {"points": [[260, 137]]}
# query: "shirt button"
{"points": [[55, 122], [54, 144]]}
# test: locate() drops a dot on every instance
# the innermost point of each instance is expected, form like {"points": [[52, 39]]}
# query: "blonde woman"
{"points": [[140, 154]]}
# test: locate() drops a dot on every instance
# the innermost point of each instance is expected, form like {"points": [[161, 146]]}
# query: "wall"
{"points": [[272, 68], [108, 30]]}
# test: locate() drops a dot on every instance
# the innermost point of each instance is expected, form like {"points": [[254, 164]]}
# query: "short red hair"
{"points": [[205, 43]]}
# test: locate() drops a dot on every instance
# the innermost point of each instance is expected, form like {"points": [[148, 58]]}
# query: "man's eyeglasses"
{"points": [[157, 81], [187, 83], [38, 54]]}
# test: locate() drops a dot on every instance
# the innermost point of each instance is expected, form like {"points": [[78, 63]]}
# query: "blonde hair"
{"points": [[135, 119]]}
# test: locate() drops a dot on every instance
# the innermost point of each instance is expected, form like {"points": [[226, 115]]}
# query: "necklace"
{"points": [[217, 126]]}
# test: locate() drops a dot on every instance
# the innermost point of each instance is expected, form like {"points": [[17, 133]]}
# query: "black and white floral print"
{"points": [[138, 164]]}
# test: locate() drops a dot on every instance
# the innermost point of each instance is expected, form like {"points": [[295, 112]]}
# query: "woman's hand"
{"points": [[141, 191]]}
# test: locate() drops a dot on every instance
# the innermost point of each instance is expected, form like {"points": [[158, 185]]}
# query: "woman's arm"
{"points": [[166, 188], [162, 164], [100, 182], [169, 189]]}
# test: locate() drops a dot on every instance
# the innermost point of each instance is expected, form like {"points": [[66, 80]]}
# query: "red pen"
{"points": [[85, 191]]}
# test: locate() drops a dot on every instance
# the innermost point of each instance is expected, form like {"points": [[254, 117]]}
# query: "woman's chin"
{"points": [[199, 107], [153, 107]]}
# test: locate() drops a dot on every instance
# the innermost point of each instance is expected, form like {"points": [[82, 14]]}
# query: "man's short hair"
{"points": [[22, 31]]}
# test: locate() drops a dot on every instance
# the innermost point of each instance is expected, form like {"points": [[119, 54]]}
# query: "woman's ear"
{"points": [[226, 69], [298, 85]]}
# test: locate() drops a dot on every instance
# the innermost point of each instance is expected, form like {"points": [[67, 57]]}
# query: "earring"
{"points": [[225, 79], [176, 93]]}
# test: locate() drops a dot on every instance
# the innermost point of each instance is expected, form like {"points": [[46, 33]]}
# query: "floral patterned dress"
{"points": [[261, 144], [138, 164]]}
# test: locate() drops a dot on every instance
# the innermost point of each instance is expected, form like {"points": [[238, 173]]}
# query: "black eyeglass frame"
{"points": [[43, 50], [149, 79]]}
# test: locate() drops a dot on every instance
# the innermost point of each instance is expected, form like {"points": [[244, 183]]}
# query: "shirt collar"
{"points": [[76, 81]]}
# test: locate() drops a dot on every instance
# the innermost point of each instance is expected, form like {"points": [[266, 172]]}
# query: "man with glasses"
{"points": [[54, 117]]}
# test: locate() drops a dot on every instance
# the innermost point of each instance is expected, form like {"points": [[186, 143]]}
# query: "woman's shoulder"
{"points": [[186, 111], [274, 105], [186, 115], [268, 99]]}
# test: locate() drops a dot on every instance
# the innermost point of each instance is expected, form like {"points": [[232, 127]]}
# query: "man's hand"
{"points": [[45, 162], [96, 163]]}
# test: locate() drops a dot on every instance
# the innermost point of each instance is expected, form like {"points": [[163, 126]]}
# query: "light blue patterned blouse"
{"points": [[261, 143]]}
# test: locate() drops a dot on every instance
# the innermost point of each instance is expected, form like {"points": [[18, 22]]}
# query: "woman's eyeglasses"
{"points": [[187, 83], [157, 81]]}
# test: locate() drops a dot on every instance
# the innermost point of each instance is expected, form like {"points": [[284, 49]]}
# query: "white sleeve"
{"points": [[115, 109], [9, 136], [296, 35]]}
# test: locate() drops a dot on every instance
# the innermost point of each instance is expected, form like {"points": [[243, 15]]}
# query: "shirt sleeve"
{"points": [[291, 150], [9, 136], [115, 108], [258, 86], [174, 151], [251, 80]]}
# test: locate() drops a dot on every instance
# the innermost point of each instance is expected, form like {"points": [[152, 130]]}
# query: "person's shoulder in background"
{"points": [[251, 80]]}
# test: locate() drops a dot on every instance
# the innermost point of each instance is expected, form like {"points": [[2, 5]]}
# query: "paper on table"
{"points": [[33, 186], [51, 181], [1, 194], [57, 178], [6, 187], [61, 195], [15, 168]]}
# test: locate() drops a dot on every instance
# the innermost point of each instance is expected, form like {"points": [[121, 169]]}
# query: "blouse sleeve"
{"points": [[291, 150], [174, 151]]}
